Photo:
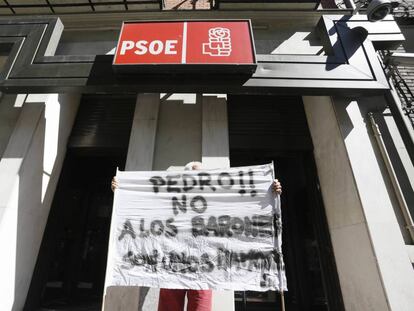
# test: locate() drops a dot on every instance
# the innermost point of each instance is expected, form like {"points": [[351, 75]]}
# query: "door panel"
{"points": [[263, 129]]}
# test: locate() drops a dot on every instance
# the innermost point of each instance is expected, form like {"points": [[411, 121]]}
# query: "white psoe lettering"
{"points": [[126, 45], [155, 47]]}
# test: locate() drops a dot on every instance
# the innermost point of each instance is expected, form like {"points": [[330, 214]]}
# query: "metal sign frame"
{"points": [[234, 68]]}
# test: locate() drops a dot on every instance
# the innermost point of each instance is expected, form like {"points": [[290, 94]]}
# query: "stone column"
{"points": [[374, 269], [216, 154], [139, 158], [29, 172]]}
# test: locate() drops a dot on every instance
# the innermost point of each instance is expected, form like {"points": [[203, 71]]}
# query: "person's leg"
{"points": [[171, 299], [199, 300]]}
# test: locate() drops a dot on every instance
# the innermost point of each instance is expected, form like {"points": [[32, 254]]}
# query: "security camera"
{"points": [[378, 9]]}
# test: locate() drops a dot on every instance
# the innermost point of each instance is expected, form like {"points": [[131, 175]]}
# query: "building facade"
{"points": [[324, 103]]}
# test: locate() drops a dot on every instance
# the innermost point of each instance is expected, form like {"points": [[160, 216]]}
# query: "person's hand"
{"points": [[277, 187], [114, 184]]}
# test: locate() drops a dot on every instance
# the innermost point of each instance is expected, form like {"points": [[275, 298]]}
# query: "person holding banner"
{"points": [[197, 300], [173, 299]]}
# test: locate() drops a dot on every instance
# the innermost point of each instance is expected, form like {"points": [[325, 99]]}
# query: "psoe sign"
{"points": [[182, 45]]}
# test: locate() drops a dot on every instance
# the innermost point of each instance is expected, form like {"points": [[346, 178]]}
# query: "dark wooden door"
{"points": [[70, 270], [263, 129]]}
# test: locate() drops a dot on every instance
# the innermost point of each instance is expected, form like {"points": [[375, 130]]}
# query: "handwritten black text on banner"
{"points": [[218, 229]]}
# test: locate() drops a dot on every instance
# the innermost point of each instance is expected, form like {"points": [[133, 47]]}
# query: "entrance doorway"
{"points": [[70, 269], [263, 129]]}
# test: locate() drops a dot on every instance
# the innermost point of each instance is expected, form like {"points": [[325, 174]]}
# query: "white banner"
{"points": [[218, 229]]}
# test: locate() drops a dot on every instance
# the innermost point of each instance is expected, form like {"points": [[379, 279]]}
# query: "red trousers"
{"points": [[173, 300]]}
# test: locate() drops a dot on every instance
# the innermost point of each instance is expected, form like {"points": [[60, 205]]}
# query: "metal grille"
{"points": [[20, 7], [405, 9], [8, 7], [403, 81], [268, 122], [103, 122], [402, 77]]}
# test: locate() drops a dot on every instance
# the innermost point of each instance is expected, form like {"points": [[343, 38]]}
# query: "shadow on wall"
{"points": [[178, 138], [10, 107], [349, 43], [35, 185], [301, 42]]}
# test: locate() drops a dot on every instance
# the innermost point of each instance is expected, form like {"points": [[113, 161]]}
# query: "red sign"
{"points": [[185, 42]]}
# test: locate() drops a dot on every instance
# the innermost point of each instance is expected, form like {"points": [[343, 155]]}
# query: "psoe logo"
{"points": [[219, 42]]}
